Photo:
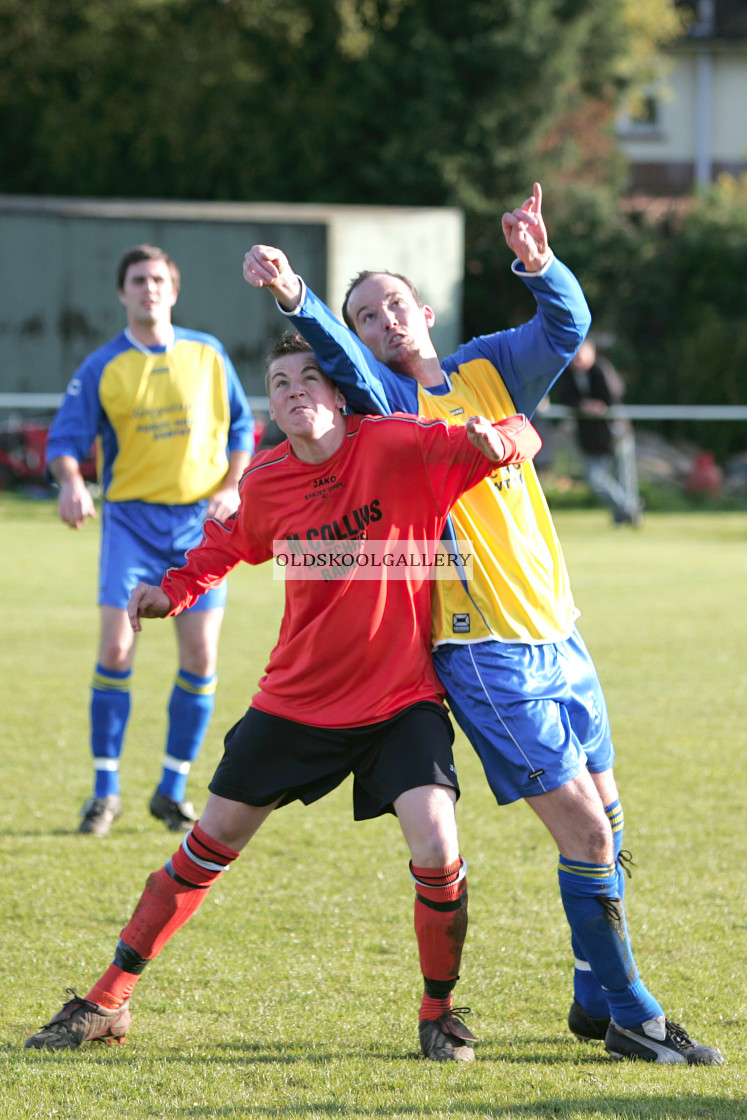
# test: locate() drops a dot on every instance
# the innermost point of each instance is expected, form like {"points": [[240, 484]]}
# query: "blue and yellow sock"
{"points": [[586, 988], [110, 711], [190, 708], [596, 915]]}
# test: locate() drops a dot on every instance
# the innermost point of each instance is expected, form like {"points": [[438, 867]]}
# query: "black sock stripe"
{"points": [[169, 869], [451, 904], [219, 857], [186, 883], [439, 989], [128, 959]]}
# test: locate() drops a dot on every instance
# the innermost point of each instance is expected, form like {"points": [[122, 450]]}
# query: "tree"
{"points": [[398, 102], [379, 101]]}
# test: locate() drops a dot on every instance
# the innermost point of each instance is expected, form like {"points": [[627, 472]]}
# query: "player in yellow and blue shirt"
{"points": [[175, 434], [518, 677]]}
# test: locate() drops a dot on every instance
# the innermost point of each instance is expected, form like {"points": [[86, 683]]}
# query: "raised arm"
{"points": [[268, 267], [525, 233], [368, 385], [531, 357]]}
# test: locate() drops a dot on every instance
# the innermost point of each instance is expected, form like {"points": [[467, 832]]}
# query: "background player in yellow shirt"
{"points": [[176, 434]]}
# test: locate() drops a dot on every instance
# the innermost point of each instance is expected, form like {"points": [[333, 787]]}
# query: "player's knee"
{"points": [[435, 849], [115, 656], [599, 843], [199, 656]]}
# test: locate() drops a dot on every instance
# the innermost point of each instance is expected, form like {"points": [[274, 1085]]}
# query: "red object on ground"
{"points": [[22, 454], [705, 475], [23, 446]]}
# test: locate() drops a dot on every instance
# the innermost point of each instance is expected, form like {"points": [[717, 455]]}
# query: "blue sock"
{"points": [[617, 821], [586, 988], [190, 708], [110, 710], [596, 915]]}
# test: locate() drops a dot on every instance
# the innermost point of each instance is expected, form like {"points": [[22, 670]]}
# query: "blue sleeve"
{"points": [[241, 428], [531, 357], [369, 386], [80, 417]]}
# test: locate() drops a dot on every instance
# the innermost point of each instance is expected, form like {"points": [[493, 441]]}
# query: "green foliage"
{"points": [[669, 288], [293, 993], [385, 101]]}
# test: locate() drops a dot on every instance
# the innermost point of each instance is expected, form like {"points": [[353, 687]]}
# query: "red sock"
{"points": [[114, 987], [440, 927], [171, 896]]}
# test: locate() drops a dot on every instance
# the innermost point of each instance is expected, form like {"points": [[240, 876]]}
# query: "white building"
{"points": [[692, 126]]}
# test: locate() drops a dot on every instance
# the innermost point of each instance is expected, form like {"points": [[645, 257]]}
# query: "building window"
{"points": [[641, 119]]}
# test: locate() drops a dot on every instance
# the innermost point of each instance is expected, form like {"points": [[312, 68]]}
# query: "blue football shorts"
{"points": [[535, 714], [141, 541]]}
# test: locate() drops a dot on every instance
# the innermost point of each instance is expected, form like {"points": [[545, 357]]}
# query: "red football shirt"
{"points": [[353, 651]]}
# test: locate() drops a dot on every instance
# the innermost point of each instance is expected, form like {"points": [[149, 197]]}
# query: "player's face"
{"points": [[148, 293], [303, 401], [387, 317]]}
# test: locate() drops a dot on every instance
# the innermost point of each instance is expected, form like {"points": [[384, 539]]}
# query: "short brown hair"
{"points": [[146, 253], [365, 275], [291, 342]]}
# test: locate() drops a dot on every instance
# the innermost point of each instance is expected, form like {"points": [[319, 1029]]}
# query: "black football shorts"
{"points": [[267, 757]]}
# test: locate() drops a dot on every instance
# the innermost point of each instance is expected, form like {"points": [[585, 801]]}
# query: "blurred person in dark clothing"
{"points": [[592, 386]]}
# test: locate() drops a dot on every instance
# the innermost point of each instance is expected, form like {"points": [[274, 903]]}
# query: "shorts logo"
{"points": [[536, 774], [460, 623], [456, 411]]}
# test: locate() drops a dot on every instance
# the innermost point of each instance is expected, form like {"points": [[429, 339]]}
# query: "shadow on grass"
{"points": [[664, 1105], [469, 1097], [673, 1108], [299, 1052], [565, 1052], [118, 831]]}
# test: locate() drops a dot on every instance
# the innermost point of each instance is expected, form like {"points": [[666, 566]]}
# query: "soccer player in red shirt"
{"points": [[350, 685]]}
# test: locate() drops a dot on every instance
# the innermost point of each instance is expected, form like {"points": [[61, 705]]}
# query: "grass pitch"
{"points": [[293, 993]]}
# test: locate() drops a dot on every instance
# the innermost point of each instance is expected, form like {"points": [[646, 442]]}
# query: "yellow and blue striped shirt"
{"points": [[167, 418]]}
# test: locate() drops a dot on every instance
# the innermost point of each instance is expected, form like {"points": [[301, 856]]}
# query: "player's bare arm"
{"points": [[75, 503], [267, 267], [525, 233], [147, 601], [225, 500]]}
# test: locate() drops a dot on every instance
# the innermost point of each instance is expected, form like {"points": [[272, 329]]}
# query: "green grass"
{"points": [[293, 993]]}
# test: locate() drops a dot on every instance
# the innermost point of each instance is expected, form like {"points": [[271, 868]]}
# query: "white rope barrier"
{"points": [[30, 401]]}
